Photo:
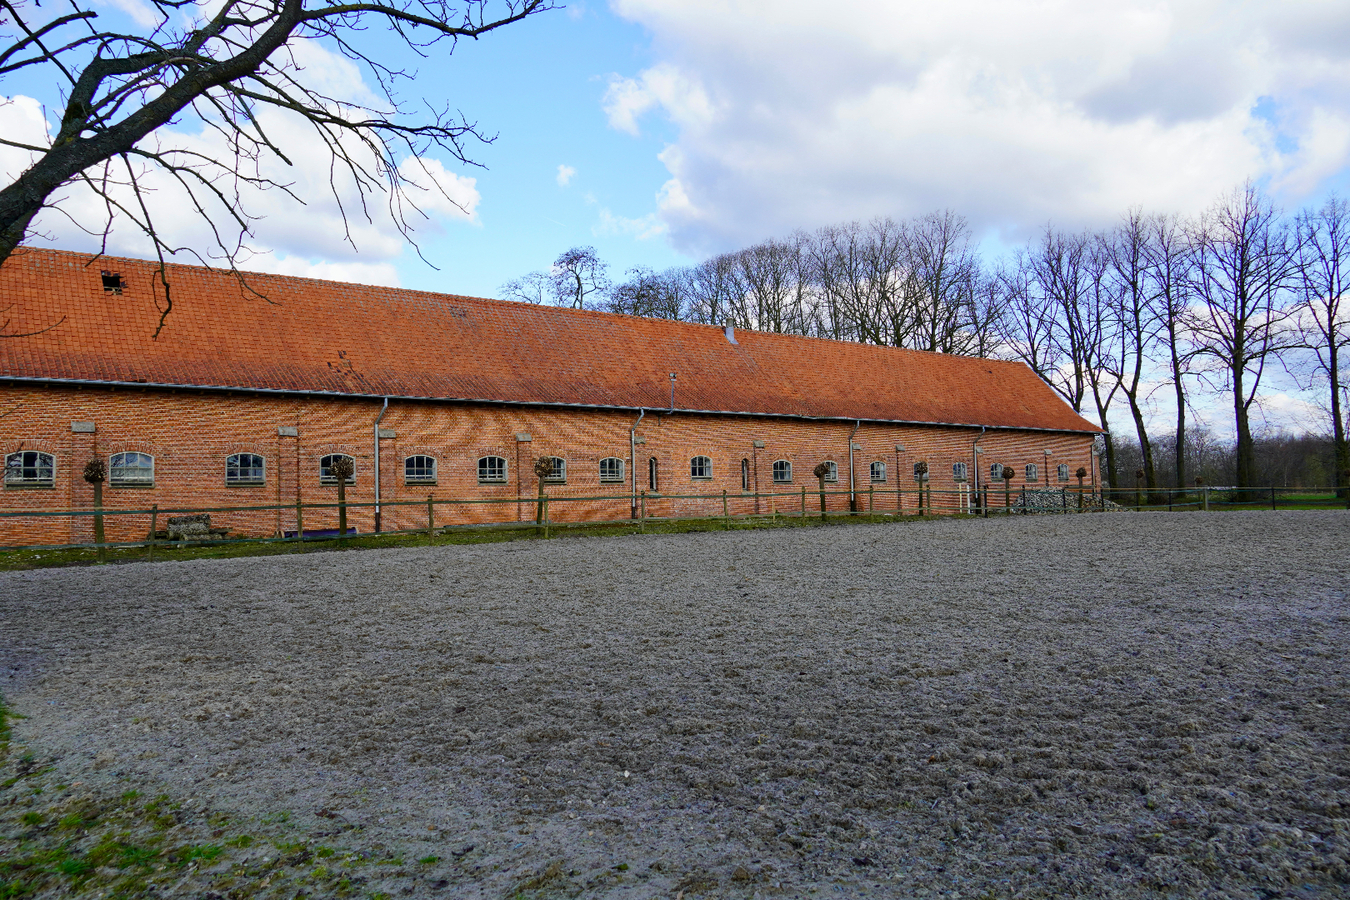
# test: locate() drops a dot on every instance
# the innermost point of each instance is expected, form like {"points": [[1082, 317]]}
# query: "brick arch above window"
{"points": [[131, 468]]}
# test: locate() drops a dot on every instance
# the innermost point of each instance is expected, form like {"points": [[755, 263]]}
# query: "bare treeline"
{"points": [[1108, 318]]}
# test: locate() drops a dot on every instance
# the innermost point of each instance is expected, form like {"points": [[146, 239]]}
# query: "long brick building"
{"points": [[249, 394]]}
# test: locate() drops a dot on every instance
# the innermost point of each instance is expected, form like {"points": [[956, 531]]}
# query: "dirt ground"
{"points": [[1131, 705]]}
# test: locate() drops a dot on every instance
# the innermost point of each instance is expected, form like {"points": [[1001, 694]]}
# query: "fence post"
{"points": [[299, 520], [726, 517], [1204, 497], [431, 517], [1063, 499], [803, 501], [1272, 497], [545, 512], [642, 515], [869, 498], [154, 523]]}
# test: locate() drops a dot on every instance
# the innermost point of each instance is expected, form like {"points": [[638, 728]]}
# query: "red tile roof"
{"points": [[321, 336]]}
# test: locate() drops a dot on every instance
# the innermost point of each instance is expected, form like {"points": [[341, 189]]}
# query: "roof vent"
{"points": [[112, 282], [730, 331]]}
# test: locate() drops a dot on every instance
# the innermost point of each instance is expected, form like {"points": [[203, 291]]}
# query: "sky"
{"points": [[663, 131]]}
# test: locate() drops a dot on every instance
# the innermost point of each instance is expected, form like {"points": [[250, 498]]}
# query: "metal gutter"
{"points": [[546, 404], [378, 419]]}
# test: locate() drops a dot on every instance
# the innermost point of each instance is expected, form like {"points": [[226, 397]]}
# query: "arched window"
{"points": [[959, 471], [131, 470], [244, 469], [491, 470], [1033, 472], [700, 467], [653, 482], [419, 469], [1063, 471], [326, 475], [30, 468], [745, 474], [920, 471], [878, 473], [611, 470], [782, 471], [559, 473], [996, 472], [831, 470]]}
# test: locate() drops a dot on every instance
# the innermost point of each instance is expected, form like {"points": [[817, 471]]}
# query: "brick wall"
{"points": [[190, 434]]}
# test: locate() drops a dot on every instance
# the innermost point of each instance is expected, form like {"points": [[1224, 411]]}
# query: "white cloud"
{"points": [[140, 12], [1013, 113], [565, 175], [383, 274], [644, 228]]}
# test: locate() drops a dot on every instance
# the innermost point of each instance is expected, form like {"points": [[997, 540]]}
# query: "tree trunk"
{"points": [[1342, 448], [342, 507], [1181, 416], [98, 521], [1246, 452], [1146, 449]]}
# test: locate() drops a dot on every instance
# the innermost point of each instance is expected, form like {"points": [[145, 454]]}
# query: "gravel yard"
{"points": [[1123, 705]]}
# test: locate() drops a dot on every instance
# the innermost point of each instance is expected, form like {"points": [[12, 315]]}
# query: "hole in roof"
{"points": [[112, 282]]}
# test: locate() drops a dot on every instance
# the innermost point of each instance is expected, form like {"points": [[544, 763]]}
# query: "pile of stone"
{"points": [[196, 527]]}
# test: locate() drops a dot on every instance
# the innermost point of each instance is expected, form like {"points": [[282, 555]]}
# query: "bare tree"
{"points": [[1169, 262], [658, 295], [715, 289], [221, 70], [945, 272], [577, 279], [1243, 269], [1126, 253], [1323, 319]]}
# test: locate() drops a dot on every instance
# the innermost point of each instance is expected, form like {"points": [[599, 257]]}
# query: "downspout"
{"points": [[975, 464], [852, 499], [378, 420], [632, 456]]}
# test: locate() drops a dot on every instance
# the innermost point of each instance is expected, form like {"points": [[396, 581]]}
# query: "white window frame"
{"points": [[559, 473], [1062, 470], [486, 475], [700, 464], [1032, 473], [995, 472], [617, 466], [424, 476], [783, 475], [960, 473], [124, 469], [832, 475], [326, 468], [878, 469], [234, 470], [16, 473]]}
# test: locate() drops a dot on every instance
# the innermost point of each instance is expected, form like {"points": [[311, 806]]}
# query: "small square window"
{"points": [[1063, 471], [559, 473], [782, 472], [831, 470], [959, 472], [611, 470], [1033, 473], [878, 473]]}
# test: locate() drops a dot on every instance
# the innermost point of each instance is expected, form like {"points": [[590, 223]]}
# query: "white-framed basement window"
{"points": [[491, 470], [419, 469], [326, 468], [30, 468], [245, 470], [131, 469]]}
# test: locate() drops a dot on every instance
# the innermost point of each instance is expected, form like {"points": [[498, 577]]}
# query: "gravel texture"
{"points": [[1122, 706]]}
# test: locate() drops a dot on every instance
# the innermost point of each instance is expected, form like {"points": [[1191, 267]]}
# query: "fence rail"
{"points": [[548, 513]]}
